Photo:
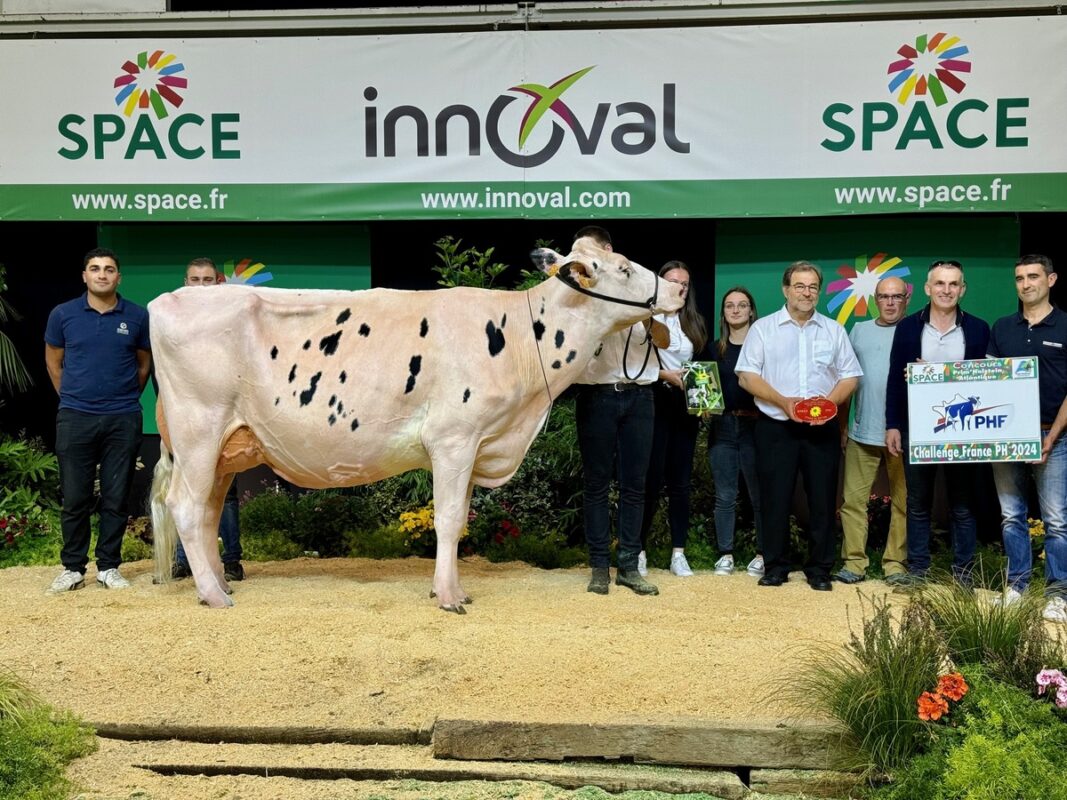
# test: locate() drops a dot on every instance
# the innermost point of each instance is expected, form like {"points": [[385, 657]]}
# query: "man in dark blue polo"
{"points": [[1039, 329], [98, 357]]}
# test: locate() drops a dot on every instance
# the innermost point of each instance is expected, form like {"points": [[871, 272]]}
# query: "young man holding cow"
{"points": [[614, 418], [98, 357]]}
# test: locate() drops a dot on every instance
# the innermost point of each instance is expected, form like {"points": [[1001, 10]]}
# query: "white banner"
{"points": [[986, 410], [782, 119]]}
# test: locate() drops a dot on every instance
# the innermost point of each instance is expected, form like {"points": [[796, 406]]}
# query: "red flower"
{"points": [[498, 538], [952, 686], [3, 523], [932, 706]]}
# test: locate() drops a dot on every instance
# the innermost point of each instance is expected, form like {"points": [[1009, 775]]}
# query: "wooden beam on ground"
{"points": [[724, 785], [714, 746], [262, 735]]}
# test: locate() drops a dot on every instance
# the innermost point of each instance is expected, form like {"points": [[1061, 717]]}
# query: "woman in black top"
{"points": [[731, 447]]}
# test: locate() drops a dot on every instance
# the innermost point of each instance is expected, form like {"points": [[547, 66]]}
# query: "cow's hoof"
{"points": [[226, 602], [433, 594], [455, 609], [468, 599]]}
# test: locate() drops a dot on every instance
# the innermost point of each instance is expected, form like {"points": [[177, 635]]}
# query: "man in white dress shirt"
{"points": [[795, 354]]}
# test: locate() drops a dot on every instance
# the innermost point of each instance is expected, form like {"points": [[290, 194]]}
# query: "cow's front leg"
{"points": [[451, 503]]}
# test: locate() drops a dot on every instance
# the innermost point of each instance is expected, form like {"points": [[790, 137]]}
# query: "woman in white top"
{"points": [[675, 434]]}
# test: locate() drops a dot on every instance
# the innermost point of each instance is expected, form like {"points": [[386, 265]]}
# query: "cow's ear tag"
{"points": [[551, 271], [584, 282]]}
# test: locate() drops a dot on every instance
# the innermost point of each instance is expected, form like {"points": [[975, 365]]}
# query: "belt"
{"points": [[742, 412], [622, 386]]}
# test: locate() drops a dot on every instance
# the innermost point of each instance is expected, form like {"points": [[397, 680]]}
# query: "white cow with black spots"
{"points": [[336, 388]]}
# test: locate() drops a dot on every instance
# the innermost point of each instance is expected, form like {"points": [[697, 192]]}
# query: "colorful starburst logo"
{"points": [[545, 98], [853, 293], [152, 82], [246, 272], [927, 67]]}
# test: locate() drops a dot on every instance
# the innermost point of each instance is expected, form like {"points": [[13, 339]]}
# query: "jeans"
{"points": [[959, 478], [614, 424], [1012, 484], [861, 467], [229, 530], [674, 441], [83, 442], [731, 454]]}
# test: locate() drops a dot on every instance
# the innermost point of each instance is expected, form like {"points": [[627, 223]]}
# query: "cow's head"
{"points": [[613, 275]]}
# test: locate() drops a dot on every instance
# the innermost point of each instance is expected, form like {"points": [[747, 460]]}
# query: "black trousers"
{"points": [[614, 429], [674, 441], [783, 449], [83, 442]]}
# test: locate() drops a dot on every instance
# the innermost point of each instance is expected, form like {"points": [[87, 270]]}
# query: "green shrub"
{"points": [[871, 686], [270, 546], [1010, 642], [270, 510], [997, 743], [386, 541], [36, 744]]}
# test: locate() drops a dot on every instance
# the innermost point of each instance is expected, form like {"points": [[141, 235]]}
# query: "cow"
{"points": [[341, 388], [958, 410]]}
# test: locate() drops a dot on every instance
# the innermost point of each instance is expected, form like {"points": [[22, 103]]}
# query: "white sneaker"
{"points": [[1056, 610], [725, 565], [680, 567], [67, 581], [642, 564], [1009, 598], [755, 567], [111, 579]]}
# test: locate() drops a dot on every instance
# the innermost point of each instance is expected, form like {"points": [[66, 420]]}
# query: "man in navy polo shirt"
{"points": [[98, 357], [1039, 329]]}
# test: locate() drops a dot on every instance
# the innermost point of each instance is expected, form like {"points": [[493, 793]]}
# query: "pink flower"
{"points": [[1049, 677], [1061, 697]]}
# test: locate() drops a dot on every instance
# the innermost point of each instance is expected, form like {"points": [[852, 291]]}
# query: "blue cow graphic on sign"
{"points": [[962, 413]]}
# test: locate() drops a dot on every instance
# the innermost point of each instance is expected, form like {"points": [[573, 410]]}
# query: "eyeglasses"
{"points": [[737, 307], [892, 298], [955, 264], [800, 287]]}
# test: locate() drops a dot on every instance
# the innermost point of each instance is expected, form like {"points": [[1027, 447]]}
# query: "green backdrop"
{"points": [[295, 256], [754, 253]]}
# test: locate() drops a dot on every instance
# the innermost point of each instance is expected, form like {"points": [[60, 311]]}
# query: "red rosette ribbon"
{"points": [[815, 409]]}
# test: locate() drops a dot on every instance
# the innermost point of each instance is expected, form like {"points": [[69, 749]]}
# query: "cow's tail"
{"points": [[164, 531]]}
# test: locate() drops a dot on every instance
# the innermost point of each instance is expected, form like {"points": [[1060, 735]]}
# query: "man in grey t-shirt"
{"points": [[864, 442]]}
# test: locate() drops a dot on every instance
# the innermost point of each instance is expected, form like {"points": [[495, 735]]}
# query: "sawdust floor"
{"points": [[352, 643]]}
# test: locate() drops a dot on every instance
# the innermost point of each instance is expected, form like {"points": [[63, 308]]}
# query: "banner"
{"points": [[878, 117], [969, 411]]}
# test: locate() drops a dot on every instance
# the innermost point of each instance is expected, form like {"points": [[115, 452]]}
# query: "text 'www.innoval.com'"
{"points": [[493, 199]]}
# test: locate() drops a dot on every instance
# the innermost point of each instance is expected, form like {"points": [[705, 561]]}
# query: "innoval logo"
{"points": [[932, 68], [636, 128], [148, 90]]}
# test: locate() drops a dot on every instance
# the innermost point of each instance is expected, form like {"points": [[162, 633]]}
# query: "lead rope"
{"points": [[541, 363], [626, 355]]}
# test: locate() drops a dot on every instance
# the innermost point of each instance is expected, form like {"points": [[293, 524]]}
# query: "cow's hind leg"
{"points": [[195, 502], [451, 502]]}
